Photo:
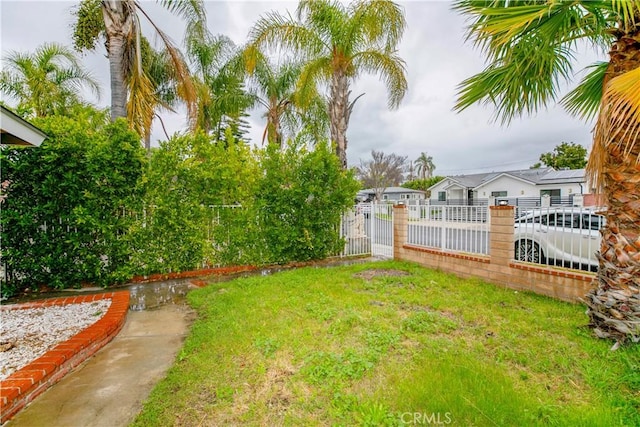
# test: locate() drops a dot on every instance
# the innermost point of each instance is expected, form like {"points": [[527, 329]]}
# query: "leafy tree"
{"points": [[566, 156], [338, 43], [424, 165], [47, 81], [423, 184], [382, 171], [133, 92], [531, 47], [300, 200]]}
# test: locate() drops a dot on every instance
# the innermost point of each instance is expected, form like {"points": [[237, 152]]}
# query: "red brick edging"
{"points": [[27, 383]]}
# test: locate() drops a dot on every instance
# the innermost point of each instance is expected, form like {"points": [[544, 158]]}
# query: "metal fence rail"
{"points": [[450, 228], [368, 230], [563, 236]]}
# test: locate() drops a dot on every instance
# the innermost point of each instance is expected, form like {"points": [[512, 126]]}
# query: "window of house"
{"points": [[442, 196], [499, 194], [385, 197]]}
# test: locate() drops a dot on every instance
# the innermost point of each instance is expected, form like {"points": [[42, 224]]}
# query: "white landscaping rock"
{"points": [[30, 332]]}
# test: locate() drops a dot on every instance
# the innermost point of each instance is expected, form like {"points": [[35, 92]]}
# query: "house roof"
{"points": [[391, 190], [16, 131], [533, 176]]}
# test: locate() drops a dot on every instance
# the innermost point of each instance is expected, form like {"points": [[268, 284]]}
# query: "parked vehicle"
{"points": [[559, 236]]}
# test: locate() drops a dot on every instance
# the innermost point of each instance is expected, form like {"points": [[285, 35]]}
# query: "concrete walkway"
{"points": [[109, 388]]}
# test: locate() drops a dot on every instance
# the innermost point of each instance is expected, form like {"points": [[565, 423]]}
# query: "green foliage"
{"points": [[300, 199], [89, 207], [89, 25], [45, 82], [566, 156], [65, 218], [422, 184], [192, 184]]}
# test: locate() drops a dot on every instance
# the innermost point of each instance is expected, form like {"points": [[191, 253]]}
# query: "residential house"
{"points": [[393, 195], [562, 187], [16, 131]]}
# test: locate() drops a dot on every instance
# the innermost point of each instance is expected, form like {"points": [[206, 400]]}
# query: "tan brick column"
{"points": [[400, 220], [501, 234]]}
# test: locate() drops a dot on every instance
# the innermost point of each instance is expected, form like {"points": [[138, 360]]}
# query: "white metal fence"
{"points": [[368, 230], [564, 236], [449, 228]]}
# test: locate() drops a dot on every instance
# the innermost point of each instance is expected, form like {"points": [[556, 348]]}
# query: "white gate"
{"points": [[368, 230]]}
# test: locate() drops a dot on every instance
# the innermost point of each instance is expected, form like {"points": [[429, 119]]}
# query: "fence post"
{"points": [[501, 249], [400, 230]]}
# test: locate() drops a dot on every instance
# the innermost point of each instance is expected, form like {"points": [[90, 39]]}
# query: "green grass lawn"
{"points": [[391, 343]]}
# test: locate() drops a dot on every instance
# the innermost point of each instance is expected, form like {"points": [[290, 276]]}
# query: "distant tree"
{"points": [[424, 165], [381, 171], [566, 156], [423, 184], [45, 82]]}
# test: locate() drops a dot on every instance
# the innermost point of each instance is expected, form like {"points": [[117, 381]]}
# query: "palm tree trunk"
{"points": [[614, 302], [118, 21], [339, 114]]}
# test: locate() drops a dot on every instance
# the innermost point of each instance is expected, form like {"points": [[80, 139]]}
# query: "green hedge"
{"points": [[89, 206]]}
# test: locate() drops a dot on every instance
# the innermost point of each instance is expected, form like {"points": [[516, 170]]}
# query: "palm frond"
{"points": [[274, 31], [391, 68], [521, 82], [628, 12], [141, 102], [618, 125], [376, 22], [584, 100], [185, 88], [496, 25], [311, 75], [325, 18]]}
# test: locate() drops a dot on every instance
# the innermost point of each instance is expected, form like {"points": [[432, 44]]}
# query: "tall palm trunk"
{"points": [[339, 114], [274, 131], [614, 302], [119, 20]]}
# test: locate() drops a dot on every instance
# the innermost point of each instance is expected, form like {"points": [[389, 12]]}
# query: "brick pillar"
{"points": [[400, 220], [501, 248]]}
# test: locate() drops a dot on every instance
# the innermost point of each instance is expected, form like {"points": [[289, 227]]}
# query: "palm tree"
{"points": [[218, 76], [531, 47], [133, 93], [47, 81], [337, 43], [275, 88], [424, 166]]}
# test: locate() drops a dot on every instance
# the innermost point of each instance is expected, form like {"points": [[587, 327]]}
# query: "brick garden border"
{"points": [[33, 379]]}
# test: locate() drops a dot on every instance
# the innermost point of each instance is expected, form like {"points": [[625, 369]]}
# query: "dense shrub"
{"points": [[299, 202], [89, 206], [66, 216], [190, 182]]}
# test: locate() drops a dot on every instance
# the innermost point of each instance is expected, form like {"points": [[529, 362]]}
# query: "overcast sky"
{"points": [[437, 60]]}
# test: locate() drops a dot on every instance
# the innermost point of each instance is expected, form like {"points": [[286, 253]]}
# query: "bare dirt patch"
{"points": [[370, 274]]}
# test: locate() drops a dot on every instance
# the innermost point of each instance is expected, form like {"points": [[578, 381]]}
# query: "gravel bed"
{"points": [[26, 334]]}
